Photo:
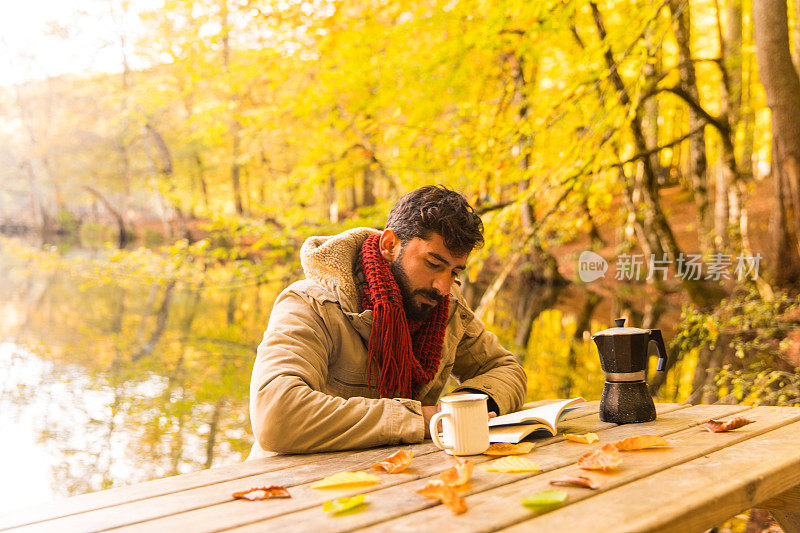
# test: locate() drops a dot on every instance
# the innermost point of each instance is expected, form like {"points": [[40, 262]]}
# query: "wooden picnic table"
{"points": [[700, 481]]}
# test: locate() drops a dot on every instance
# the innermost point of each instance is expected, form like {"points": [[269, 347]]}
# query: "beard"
{"points": [[415, 311]]}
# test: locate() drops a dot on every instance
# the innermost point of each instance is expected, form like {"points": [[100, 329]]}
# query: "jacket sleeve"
{"points": [[288, 411], [482, 364]]}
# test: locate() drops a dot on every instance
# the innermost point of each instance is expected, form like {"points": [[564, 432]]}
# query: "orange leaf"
{"points": [[395, 463], [718, 426], [506, 448], [607, 457], [586, 438], [458, 475], [436, 489], [579, 481], [639, 442], [262, 493]]}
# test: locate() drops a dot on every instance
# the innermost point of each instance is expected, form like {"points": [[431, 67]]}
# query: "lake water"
{"points": [[112, 376]]}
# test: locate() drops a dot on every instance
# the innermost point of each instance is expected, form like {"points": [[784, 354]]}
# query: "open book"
{"points": [[544, 419]]}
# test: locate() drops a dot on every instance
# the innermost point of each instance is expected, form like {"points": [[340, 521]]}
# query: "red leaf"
{"points": [[718, 426], [578, 481], [262, 493]]}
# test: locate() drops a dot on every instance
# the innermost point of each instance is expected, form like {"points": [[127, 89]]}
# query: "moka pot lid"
{"points": [[621, 330]]}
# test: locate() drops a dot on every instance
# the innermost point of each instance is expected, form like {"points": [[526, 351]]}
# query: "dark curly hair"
{"points": [[435, 208]]}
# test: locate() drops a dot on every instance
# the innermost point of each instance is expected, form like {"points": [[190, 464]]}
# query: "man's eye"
{"points": [[432, 265]]}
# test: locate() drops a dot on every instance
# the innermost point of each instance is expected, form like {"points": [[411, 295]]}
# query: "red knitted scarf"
{"points": [[406, 360]]}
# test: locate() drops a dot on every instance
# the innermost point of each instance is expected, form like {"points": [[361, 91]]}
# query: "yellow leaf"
{"points": [[586, 438], [512, 464], [346, 480]]}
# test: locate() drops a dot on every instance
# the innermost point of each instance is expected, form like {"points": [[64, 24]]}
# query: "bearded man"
{"points": [[357, 354]]}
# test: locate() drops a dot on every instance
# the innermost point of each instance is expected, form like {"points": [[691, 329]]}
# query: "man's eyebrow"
{"points": [[445, 261]]}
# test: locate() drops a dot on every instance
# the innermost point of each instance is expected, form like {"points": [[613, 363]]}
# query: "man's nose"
{"points": [[442, 284]]}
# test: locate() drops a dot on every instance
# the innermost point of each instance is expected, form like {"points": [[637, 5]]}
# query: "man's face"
{"points": [[425, 271]]}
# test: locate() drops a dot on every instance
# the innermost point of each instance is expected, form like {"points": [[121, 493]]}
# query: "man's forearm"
{"points": [[290, 417]]}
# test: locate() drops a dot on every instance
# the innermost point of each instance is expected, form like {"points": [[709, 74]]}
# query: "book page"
{"points": [[547, 415], [515, 433]]}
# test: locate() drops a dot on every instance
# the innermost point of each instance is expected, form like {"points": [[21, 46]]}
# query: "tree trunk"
{"points": [[584, 323], [539, 262], [697, 144], [162, 314], [213, 428], [333, 202], [123, 236], [235, 126], [368, 185], [657, 230], [236, 168], [721, 209], [167, 171], [533, 300], [201, 177], [782, 88], [796, 53]]}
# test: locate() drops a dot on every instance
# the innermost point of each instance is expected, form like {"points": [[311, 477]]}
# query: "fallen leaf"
{"points": [[458, 475], [512, 465], [718, 426], [586, 438], [547, 498], [346, 480], [640, 442], [578, 481], [436, 489], [262, 493], [395, 463], [345, 503], [506, 448], [607, 457]]}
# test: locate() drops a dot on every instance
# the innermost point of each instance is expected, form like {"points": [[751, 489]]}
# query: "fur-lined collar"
{"points": [[330, 262]]}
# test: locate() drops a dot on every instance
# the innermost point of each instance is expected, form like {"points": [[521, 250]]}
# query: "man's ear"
{"points": [[389, 245]]}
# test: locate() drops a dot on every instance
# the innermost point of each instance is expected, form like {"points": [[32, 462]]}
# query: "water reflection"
{"points": [[111, 380]]}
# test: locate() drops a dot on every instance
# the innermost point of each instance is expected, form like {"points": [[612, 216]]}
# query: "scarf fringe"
{"points": [[403, 362]]}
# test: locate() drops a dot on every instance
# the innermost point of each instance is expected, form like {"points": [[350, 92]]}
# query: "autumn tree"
{"points": [[782, 87]]}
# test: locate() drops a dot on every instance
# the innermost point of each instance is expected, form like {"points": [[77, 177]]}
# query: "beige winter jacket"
{"points": [[309, 390]]}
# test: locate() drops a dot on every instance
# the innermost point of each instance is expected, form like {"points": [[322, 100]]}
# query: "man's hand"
{"points": [[427, 413]]}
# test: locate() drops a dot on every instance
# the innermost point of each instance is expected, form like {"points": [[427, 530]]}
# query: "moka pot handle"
{"points": [[655, 336]]}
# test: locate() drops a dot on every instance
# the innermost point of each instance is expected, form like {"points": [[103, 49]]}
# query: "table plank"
{"points": [[402, 503], [156, 487], [493, 502], [691, 496], [154, 507], [223, 512], [169, 485]]}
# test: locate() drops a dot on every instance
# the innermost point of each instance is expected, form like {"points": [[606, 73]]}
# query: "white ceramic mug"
{"points": [[465, 424]]}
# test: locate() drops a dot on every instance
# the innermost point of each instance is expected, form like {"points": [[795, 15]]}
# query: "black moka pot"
{"points": [[623, 356]]}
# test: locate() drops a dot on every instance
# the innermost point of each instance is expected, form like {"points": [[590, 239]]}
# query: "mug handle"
{"points": [[435, 430]]}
